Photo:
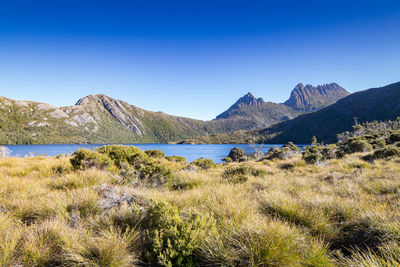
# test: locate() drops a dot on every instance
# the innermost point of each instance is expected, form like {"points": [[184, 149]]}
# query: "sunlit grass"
{"points": [[285, 213]]}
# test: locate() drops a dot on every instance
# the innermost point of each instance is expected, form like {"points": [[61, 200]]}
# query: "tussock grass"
{"points": [[286, 213]]}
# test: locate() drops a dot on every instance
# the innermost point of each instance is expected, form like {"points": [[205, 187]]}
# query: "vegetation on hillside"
{"points": [[120, 206], [376, 104], [101, 119]]}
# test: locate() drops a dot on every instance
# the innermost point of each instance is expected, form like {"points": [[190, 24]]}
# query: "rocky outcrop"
{"points": [[118, 109], [310, 98]]}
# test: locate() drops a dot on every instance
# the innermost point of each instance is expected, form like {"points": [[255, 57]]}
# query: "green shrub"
{"points": [[172, 237], [317, 154], [145, 171], [153, 173], [227, 160], [84, 159], [386, 152], [286, 152], [155, 153], [120, 154], [378, 143], [134, 163], [291, 146], [359, 146], [258, 155], [236, 153], [204, 164], [394, 137], [355, 144], [239, 175], [176, 158]]}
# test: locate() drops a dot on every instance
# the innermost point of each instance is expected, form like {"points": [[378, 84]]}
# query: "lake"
{"points": [[190, 152]]}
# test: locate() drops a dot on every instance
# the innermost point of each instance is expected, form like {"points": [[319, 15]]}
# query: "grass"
{"points": [[285, 213]]}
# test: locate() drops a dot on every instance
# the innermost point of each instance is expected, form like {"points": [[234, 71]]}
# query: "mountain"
{"points": [[250, 112], [94, 119], [310, 98], [373, 104], [101, 119]]}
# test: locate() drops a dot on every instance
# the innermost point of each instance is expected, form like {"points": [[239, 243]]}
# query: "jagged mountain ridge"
{"points": [[250, 112], [373, 104], [312, 98]]}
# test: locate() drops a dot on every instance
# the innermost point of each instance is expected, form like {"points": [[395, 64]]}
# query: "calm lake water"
{"points": [[190, 152]]}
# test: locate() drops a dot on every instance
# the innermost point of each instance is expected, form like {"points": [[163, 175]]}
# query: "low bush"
{"points": [[120, 154], [258, 155], [172, 237], [204, 163], [356, 144], [291, 146], [236, 154], [134, 164], [155, 153], [239, 175], [317, 154], [394, 137], [378, 143], [386, 152], [176, 158], [153, 173], [227, 160], [84, 159], [284, 153]]}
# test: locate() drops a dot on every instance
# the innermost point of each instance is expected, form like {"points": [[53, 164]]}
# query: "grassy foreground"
{"points": [[269, 213]]}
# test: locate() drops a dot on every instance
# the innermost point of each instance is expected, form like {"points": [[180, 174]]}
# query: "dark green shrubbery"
{"points": [[203, 163], [236, 154], [120, 154], [227, 160], [378, 143], [172, 237], [155, 153], [176, 158], [317, 154], [291, 146], [289, 150], [394, 137], [132, 163], [386, 152], [84, 159], [356, 144], [239, 175]]}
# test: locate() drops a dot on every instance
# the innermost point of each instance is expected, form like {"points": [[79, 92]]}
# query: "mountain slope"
{"points": [[373, 104], [250, 112], [101, 119], [310, 98], [94, 119]]}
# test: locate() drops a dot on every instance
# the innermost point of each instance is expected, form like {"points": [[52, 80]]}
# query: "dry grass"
{"points": [[345, 213]]}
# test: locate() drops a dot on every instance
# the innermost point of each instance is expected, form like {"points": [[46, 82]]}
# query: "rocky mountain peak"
{"points": [[307, 97], [91, 99], [248, 99]]}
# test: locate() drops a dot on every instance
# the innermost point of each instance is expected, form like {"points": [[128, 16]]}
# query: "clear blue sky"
{"points": [[193, 58]]}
